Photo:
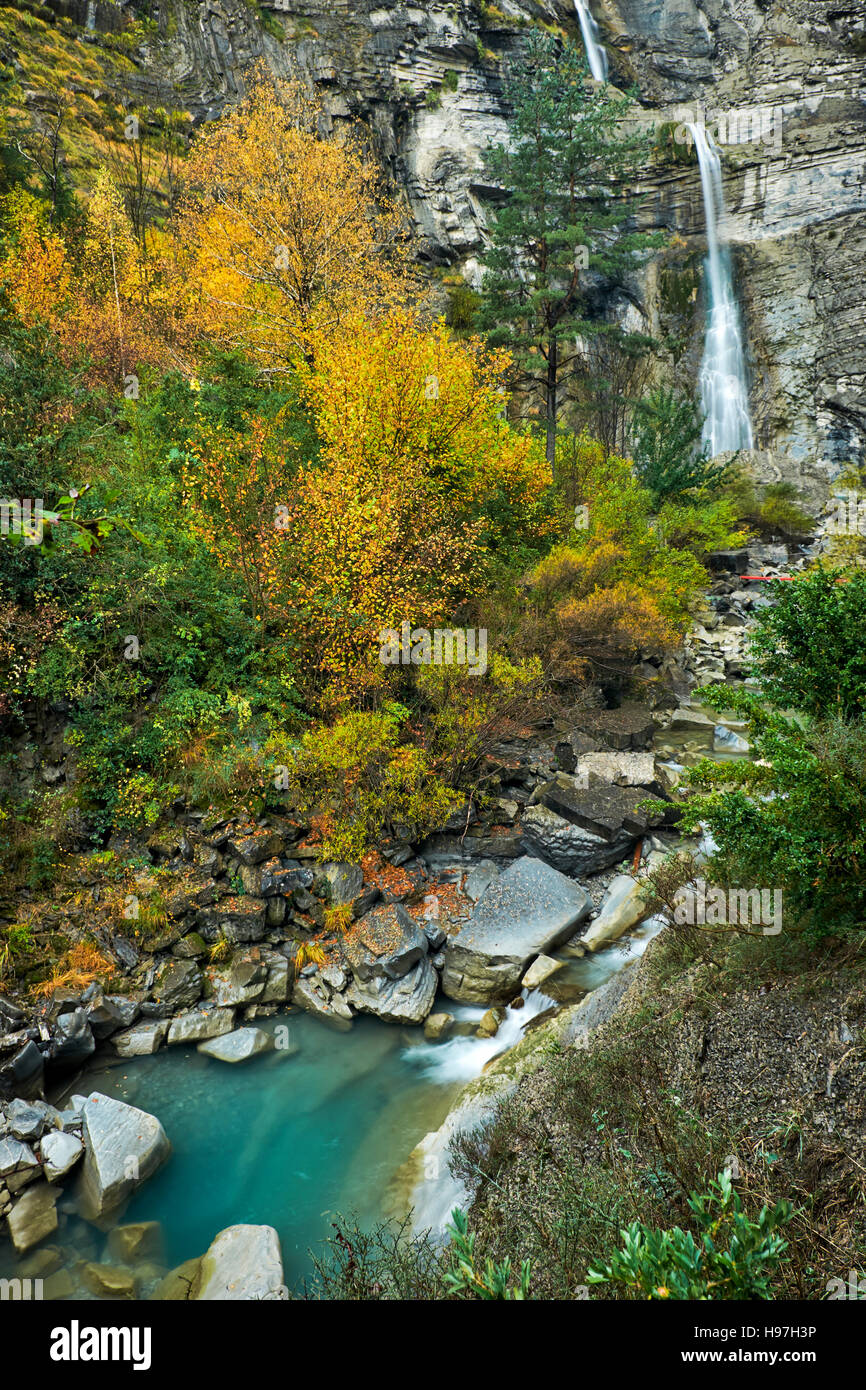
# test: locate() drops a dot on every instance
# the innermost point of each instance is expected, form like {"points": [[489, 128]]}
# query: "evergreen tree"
{"points": [[566, 219]]}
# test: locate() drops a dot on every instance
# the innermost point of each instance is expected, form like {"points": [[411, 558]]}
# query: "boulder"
{"points": [[256, 847], [177, 985], [73, 1041], [143, 1039], [568, 848], [727, 741], [136, 1241], [284, 878], [342, 882], [623, 907], [312, 994], [124, 1146], [25, 1122], [386, 944], [526, 910], [607, 811], [106, 1018], [200, 1024], [24, 1074], [408, 999], [629, 727], [243, 1263], [438, 1026], [238, 1046], [238, 919], [490, 1023], [16, 1158], [243, 982], [33, 1217], [109, 1281], [619, 769], [540, 970], [60, 1152]]}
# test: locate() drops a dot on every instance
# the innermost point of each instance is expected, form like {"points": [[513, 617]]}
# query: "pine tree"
{"points": [[566, 219]]}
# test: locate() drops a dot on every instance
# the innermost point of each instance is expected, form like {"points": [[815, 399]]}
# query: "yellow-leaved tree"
{"points": [[418, 485], [285, 232]]}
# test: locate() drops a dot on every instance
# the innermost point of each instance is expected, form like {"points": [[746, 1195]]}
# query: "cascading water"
{"points": [[724, 386], [595, 51]]}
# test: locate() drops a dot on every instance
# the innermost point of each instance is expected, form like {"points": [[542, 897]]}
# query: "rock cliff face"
{"points": [[427, 80]]}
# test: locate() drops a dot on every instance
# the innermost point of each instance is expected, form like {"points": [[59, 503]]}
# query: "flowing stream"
{"points": [[723, 378], [596, 54]]}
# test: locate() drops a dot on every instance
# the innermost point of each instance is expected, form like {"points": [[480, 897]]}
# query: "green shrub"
{"points": [[672, 1264], [808, 648], [668, 461]]}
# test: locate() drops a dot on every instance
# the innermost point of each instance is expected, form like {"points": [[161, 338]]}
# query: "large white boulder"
{"points": [[123, 1147], [244, 1262], [528, 909]]}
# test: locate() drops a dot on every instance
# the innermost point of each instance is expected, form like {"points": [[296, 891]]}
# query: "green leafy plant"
{"points": [[469, 1278], [732, 1257], [667, 457]]}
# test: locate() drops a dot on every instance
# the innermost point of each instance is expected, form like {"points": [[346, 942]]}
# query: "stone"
{"points": [[689, 719], [606, 811], [284, 878], [126, 1009], [258, 846], [526, 910], [59, 1285], [143, 1039], [24, 1074], [313, 995], [243, 982], [238, 1046], [60, 1152], [619, 769], [177, 984], [243, 1263], [124, 1146], [16, 1157], [386, 944], [178, 1284], [135, 1242], [629, 727], [569, 848], [109, 1281], [344, 882], [33, 1217], [190, 947], [105, 1018], [623, 907], [240, 920], [540, 970], [25, 1122], [727, 741], [408, 999], [73, 1041], [490, 1023], [280, 976], [199, 1025], [438, 1026]]}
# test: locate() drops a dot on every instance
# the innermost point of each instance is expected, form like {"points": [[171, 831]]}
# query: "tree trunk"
{"points": [[552, 369]]}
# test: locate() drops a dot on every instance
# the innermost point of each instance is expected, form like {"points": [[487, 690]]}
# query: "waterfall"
{"points": [[595, 52], [724, 387], [90, 22]]}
